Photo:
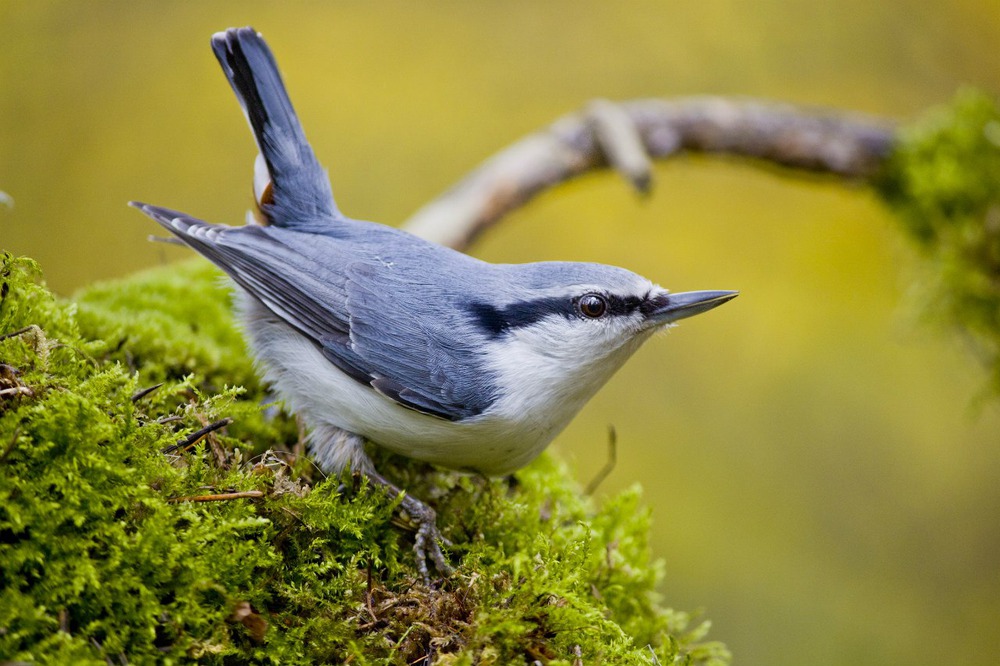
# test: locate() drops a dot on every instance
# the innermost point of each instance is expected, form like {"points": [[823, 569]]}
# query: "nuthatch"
{"points": [[370, 333]]}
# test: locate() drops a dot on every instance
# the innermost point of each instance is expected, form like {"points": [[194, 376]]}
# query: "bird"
{"points": [[369, 333]]}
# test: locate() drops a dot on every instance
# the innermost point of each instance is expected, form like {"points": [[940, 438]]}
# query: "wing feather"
{"points": [[369, 318]]}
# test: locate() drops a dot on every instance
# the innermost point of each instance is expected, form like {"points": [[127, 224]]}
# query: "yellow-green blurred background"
{"points": [[824, 482]]}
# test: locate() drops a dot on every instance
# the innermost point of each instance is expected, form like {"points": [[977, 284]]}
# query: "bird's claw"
{"points": [[427, 546], [428, 541]]}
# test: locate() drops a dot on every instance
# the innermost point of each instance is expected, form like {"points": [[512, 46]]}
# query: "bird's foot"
{"points": [[428, 541]]}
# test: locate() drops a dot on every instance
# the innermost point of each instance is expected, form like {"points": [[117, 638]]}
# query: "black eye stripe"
{"points": [[651, 305], [623, 305], [496, 321]]}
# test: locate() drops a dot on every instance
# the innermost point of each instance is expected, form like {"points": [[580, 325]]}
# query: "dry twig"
{"points": [[14, 334], [193, 438], [218, 497], [142, 393], [609, 465]]}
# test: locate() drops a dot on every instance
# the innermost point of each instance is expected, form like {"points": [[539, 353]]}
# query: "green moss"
{"points": [[944, 181], [102, 559]]}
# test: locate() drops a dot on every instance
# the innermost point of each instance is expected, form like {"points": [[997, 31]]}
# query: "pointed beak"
{"points": [[673, 307]]}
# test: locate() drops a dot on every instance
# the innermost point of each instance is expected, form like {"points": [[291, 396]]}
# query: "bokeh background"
{"points": [[823, 469]]}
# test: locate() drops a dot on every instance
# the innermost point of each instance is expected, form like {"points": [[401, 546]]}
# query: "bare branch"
{"points": [[848, 146]]}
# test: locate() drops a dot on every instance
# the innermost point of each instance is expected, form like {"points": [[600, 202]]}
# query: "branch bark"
{"points": [[626, 135]]}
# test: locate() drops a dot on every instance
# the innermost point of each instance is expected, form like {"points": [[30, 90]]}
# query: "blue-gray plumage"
{"points": [[370, 332]]}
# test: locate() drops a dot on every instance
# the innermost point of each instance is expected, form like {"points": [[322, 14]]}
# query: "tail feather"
{"points": [[293, 190], [182, 225]]}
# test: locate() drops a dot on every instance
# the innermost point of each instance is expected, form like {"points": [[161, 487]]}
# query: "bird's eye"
{"points": [[592, 305]]}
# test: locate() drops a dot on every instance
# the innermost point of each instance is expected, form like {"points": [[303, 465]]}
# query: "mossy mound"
{"points": [[118, 545]]}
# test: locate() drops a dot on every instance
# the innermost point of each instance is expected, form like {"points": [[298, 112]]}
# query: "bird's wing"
{"points": [[351, 313], [425, 363], [291, 188]]}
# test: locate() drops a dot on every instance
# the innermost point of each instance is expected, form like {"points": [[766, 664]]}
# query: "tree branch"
{"points": [[848, 146]]}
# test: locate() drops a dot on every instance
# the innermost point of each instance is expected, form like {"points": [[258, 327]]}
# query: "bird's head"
{"points": [[558, 331]]}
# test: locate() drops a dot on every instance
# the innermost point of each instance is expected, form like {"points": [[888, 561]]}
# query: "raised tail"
{"points": [[291, 188]]}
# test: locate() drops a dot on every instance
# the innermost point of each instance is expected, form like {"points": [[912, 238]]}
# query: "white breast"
{"points": [[327, 399]]}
